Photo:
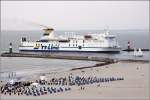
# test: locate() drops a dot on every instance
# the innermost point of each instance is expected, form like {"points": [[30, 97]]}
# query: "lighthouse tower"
{"points": [[129, 45], [10, 47]]}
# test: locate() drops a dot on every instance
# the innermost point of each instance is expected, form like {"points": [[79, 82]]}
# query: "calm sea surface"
{"points": [[29, 66]]}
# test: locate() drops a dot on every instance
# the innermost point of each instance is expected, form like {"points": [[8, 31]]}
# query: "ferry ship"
{"points": [[102, 42]]}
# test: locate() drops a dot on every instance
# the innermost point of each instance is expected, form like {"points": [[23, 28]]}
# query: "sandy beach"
{"points": [[134, 86]]}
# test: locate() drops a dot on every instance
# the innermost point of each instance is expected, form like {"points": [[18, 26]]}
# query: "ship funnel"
{"points": [[48, 34], [47, 31]]}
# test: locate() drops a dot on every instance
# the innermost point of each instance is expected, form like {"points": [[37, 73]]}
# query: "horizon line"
{"points": [[69, 29]]}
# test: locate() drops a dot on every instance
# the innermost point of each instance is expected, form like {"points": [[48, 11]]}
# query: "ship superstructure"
{"points": [[103, 42]]}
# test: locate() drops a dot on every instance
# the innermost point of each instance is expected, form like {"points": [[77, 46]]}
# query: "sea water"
{"points": [[29, 66]]}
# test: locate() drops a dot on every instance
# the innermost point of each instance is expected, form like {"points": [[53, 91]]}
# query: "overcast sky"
{"points": [[74, 15]]}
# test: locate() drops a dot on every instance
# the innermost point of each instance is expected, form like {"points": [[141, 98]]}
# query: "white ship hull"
{"points": [[71, 49]]}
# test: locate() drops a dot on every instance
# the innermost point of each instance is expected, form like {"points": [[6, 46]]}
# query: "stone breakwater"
{"points": [[53, 56], [70, 57]]}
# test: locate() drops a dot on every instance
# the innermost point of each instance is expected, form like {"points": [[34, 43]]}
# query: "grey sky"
{"points": [[75, 15]]}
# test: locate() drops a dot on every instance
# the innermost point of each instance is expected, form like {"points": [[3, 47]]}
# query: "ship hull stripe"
{"points": [[112, 51]]}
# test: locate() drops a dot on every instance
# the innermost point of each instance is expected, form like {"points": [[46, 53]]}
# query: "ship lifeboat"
{"points": [[87, 36]]}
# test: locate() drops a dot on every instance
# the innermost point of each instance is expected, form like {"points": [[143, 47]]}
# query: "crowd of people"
{"points": [[91, 80], [26, 88], [78, 80], [53, 85]]}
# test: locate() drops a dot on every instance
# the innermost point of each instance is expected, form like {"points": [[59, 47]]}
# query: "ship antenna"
{"points": [[107, 30]]}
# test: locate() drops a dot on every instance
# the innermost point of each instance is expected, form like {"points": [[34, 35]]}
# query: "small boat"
{"points": [[138, 53], [135, 52]]}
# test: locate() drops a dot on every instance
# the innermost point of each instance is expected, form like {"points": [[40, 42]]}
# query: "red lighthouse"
{"points": [[129, 45]]}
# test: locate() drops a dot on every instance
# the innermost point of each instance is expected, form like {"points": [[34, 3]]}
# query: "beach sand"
{"points": [[134, 86]]}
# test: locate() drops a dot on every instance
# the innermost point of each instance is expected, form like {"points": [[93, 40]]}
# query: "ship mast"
{"points": [[107, 31]]}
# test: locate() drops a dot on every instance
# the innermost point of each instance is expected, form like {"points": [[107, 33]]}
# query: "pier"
{"points": [[70, 57], [133, 50], [53, 56]]}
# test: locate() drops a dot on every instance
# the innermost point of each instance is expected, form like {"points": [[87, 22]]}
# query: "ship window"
{"points": [[73, 45], [76, 44], [69, 45], [80, 47], [64, 40], [43, 41], [83, 45], [23, 39], [87, 36], [46, 34]]}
